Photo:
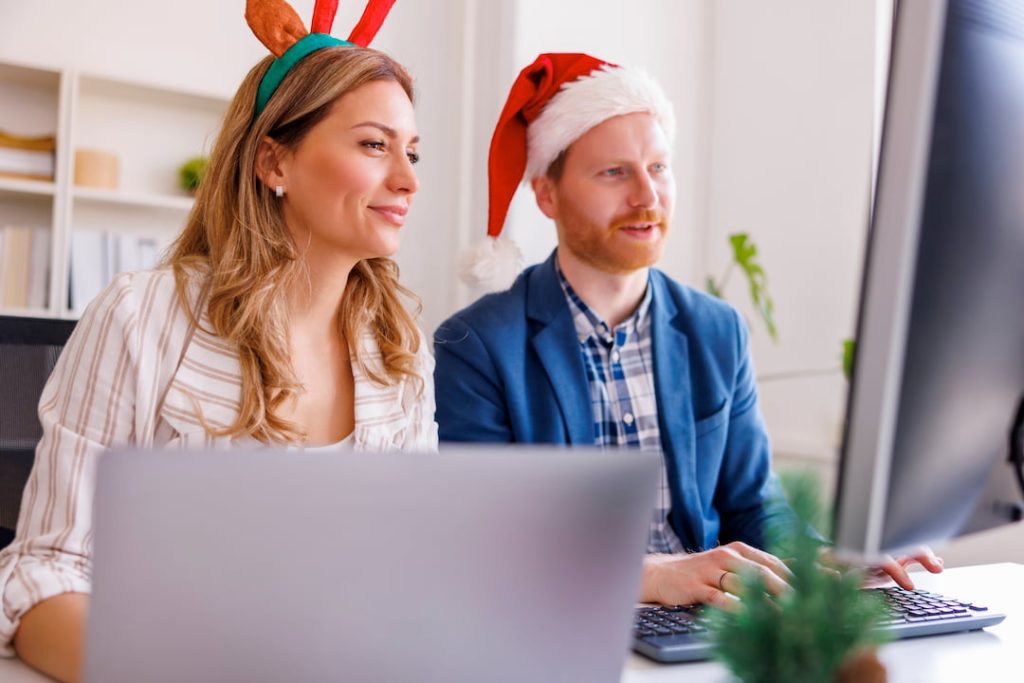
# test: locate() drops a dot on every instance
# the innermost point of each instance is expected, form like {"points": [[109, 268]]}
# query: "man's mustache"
{"points": [[642, 216]]}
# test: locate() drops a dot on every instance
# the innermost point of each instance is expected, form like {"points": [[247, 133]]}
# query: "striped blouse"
{"points": [[126, 376]]}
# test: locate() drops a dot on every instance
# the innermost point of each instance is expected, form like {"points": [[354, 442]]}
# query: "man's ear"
{"points": [[271, 163], [544, 193]]}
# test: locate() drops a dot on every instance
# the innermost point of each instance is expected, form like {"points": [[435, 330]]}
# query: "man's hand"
{"points": [[890, 568], [709, 577], [896, 569]]}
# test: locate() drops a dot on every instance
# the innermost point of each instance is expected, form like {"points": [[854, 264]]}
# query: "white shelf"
{"points": [[27, 312], [23, 75], [134, 199], [33, 187], [150, 128], [155, 94]]}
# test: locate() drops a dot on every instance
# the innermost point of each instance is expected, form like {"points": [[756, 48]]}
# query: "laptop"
{"points": [[480, 564]]}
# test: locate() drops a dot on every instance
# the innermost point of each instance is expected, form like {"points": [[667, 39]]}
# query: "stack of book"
{"points": [[96, 257], [27, 158], [24, 267]]}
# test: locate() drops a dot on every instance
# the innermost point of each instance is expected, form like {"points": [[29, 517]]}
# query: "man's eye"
{"points": [[617, 171], [414, 157], [659, 167], [378, 145]]}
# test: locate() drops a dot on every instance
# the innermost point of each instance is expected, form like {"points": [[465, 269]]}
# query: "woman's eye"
{"points": [[378, 145], [414, 157]]}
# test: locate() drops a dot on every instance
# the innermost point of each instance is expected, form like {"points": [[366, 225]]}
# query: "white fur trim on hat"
{"points": [[587, 101], [491, 265]]}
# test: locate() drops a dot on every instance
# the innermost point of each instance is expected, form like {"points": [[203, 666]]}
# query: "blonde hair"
{"points": [[237, 244]]}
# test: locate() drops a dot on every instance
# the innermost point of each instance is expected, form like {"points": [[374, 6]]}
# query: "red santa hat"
{"points": [[553, 102]]}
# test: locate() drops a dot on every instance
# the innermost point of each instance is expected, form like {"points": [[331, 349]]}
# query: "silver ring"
{"points": [[721, 581]]}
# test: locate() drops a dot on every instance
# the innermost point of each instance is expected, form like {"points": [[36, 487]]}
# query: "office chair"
{"points": [[29, 348]]}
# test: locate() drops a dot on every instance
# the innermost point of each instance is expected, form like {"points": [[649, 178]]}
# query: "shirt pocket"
{"points": [[706, 425]]}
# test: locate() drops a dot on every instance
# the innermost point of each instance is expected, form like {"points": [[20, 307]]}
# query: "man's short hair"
{"points": [[557, 167]]}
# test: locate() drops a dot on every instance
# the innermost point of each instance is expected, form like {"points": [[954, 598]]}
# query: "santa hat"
{"points": [[553, 102]]}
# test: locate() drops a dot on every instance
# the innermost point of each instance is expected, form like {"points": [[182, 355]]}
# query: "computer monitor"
{"points": [[935, 401]]}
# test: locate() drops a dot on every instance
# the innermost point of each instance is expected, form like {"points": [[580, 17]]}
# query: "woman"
{"points": [[277, 317]]}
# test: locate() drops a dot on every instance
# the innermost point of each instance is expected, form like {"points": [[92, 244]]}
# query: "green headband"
{"points": [[280, 67]]}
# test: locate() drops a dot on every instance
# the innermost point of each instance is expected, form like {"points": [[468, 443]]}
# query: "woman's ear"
{"points": [[272, 163], [544, 193]]}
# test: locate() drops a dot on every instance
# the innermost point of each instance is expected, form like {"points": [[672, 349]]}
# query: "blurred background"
{"points": [[779, 108]]}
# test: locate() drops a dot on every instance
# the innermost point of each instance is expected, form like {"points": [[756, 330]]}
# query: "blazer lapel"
{"points": [[556, 345], [670, 348]]}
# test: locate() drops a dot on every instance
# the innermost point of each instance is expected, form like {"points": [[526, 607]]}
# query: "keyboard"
{"points": [[677, 633]]}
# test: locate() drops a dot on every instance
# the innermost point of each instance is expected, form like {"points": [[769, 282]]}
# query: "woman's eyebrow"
{"points": [[387, 130]]}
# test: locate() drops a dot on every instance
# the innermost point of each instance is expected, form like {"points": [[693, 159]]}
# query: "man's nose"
{"points": [[643, 193]]}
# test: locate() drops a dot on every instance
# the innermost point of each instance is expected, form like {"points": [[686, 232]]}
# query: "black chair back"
{"points": [[29, 348]]}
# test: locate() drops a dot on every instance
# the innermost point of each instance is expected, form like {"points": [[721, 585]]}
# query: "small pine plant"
{"points": [[809, 633]]}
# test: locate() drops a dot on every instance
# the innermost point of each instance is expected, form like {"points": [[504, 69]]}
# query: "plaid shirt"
{"points": [[620, 372]]}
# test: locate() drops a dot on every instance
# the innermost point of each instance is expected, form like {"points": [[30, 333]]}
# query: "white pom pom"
{"points": [[491, 265]]}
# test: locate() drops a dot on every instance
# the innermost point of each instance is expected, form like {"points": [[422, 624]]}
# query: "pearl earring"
{"points": [[279, 191]]}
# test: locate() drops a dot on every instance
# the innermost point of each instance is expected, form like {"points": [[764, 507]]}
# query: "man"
{"points": [[594, 346]]}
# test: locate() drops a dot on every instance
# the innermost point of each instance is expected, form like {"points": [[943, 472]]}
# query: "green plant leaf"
{"points": [[849, 346], [712, 288], [745, 254]]}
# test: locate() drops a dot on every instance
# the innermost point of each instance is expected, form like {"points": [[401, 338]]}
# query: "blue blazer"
{"points": [[509, 369]]}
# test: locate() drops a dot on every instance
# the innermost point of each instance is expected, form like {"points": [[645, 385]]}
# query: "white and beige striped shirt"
{"points": [[128, 377]]}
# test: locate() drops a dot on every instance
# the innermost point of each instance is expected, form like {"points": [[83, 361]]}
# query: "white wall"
{"points": [[793, 103]]}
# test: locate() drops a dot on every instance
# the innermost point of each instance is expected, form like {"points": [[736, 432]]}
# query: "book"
{"points": [[27, 157], [26, 163], [14, 266], [96, 257], [39, 269], [88, 267], [46, 143]]}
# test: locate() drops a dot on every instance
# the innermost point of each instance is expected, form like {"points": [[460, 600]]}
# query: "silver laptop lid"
{"points": [[494, 564]]}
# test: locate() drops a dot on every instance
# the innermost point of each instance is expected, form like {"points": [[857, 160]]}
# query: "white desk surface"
{"points": [[997, 653]]}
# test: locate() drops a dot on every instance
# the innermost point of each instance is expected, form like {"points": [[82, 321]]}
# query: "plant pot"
{"points": [[862, 667]]}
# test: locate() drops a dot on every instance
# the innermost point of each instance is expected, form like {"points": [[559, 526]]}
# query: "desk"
{"points": [[996, 653]]}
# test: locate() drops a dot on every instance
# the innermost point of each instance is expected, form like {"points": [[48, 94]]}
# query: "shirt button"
{"points": [[615, 356], [628, 418]]}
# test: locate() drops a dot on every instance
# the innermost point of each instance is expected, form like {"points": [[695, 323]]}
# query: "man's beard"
{"points": [[604, 248]]}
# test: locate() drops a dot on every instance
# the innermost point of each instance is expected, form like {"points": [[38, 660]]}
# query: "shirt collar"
{"points": [[589, 324]]}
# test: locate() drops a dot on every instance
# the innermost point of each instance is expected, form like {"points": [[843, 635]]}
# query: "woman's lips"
{"points": [[394, 214]]}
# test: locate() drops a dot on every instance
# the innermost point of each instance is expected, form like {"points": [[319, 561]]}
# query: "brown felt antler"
{"points": [[279, 27], [275, 23]]}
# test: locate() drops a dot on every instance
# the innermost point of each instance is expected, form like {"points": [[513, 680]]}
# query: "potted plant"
{"points": [[822, 631], [191, 173]]}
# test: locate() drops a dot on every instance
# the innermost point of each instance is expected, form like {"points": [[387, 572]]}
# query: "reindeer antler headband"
{"points": [[279, 27]]}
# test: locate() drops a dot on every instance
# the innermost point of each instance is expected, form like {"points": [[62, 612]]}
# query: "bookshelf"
{"points": [[151, 130]]}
